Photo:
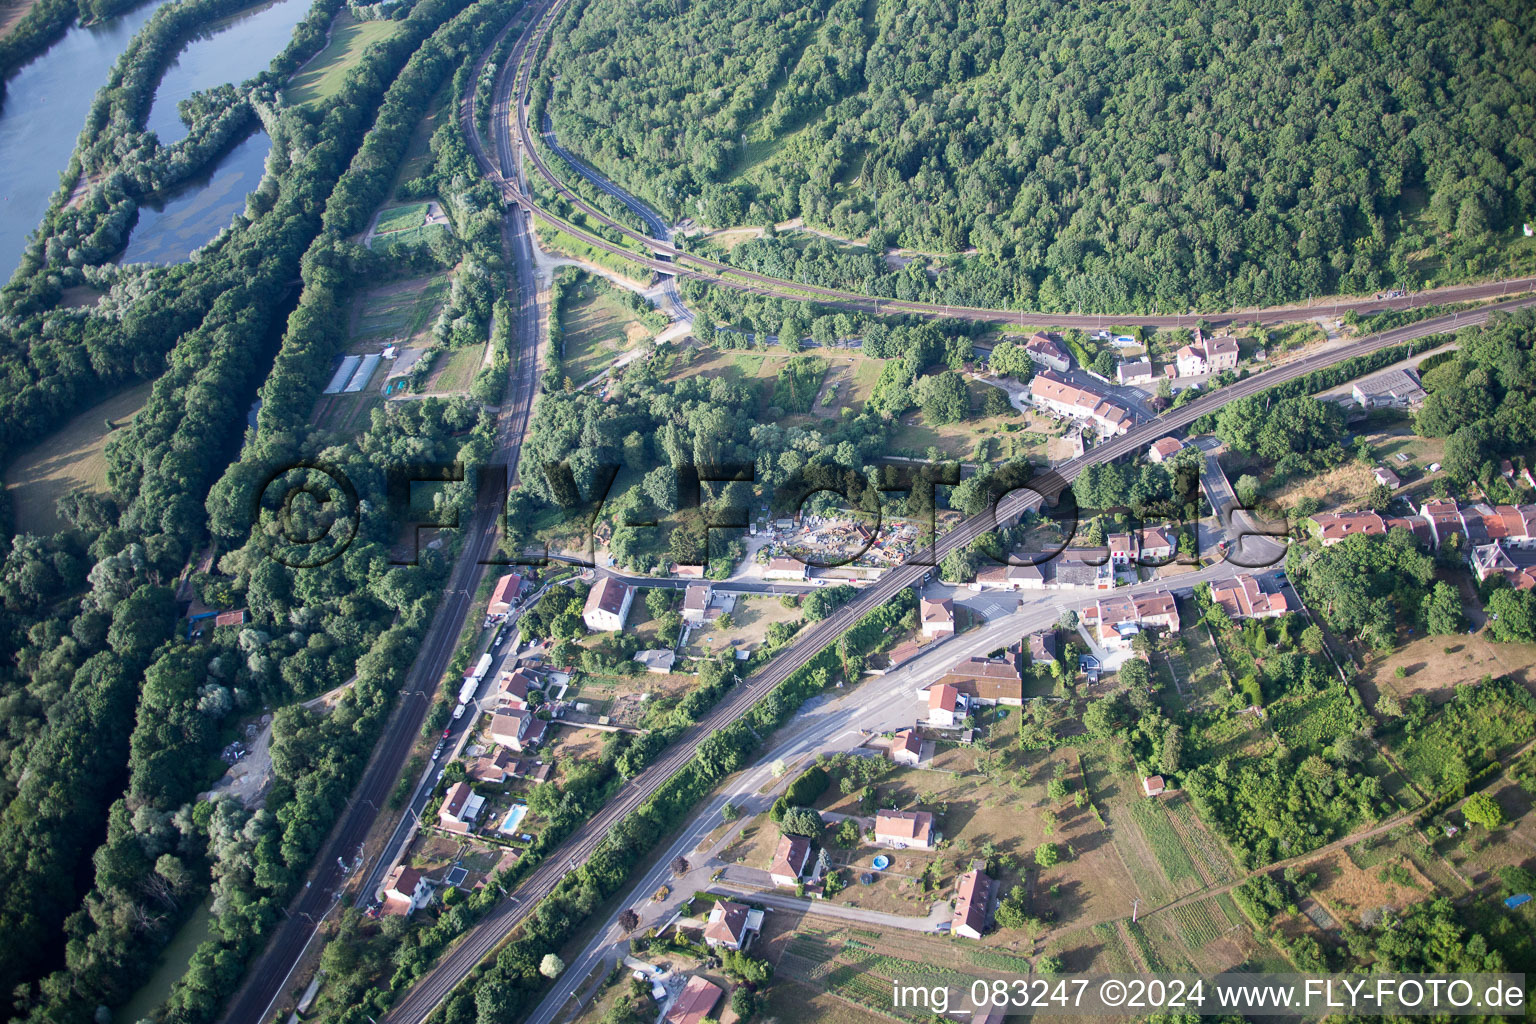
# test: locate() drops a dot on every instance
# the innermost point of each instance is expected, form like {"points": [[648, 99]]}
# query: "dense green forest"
{"points": [[1108, 156], [106, 852]]}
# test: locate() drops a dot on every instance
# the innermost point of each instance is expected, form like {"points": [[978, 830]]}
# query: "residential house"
{"points": [[938, 617], [1042, 646], [1393, 389], [504, 596], [1120, 618], [973, 902], [790, 860], [1157, 545], [785, 569], [1517, 565], [1513, 525], [695, 1002], [1203, 356], [696, 603], [946, 707], [512, 688], [903, 829], [1242, 598], [1122, 549], [1011, 577], [1083, 569], [732, 924], [1444, 519], [1062, 397], [1333, 527], [461, 806], [1153, 785], [494, 768], [608, 605], [985, 681], [907, 748], [1164, 449], [1043, 350], [1134, 373], [1385, 476], [516, 728], [406, 889]]}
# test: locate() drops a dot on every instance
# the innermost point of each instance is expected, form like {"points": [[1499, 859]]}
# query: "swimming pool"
{"points": [[514, 816]]}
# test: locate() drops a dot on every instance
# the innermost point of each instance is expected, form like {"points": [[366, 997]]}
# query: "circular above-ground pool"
{"points": [[881, 862]]}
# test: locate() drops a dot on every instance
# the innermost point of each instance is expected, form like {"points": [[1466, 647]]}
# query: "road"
{"points": [[419, 1002], [432, 989], [267, 978], [885, 704], [666, 258]]}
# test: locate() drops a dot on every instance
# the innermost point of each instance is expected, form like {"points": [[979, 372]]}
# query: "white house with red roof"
{"points": [[732, 924], [1241, 597], [903, 829], [938, 617], [946, 706], [405, 890], [1060, 396], [504, 596], [607, 605]]}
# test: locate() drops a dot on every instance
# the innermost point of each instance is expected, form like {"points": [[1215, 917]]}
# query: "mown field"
{"points": [[73, 458], [321, 78]]}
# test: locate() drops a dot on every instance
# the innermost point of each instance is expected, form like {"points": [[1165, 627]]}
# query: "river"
{"points": [[45, 107], [47, 100], [219, 54]]}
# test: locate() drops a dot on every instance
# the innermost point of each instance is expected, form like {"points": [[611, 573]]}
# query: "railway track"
{"points": [[490, 932], [668, 259]]}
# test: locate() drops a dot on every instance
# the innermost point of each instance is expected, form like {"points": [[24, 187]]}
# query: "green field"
{"points": [[400, 218], [400, 312], [404, 225], [456, 370], [72, 458], [1482, 722], [598, 329], [321, 78], [1166, 845]]}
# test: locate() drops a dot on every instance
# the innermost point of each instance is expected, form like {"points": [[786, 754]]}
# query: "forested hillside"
{"points": [[1114, 156]]}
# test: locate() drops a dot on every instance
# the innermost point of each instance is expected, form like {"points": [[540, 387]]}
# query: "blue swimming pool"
{"points": [[515, 815]]}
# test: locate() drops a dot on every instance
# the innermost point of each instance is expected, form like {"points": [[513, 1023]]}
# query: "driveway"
{"points": [[939, 913]]}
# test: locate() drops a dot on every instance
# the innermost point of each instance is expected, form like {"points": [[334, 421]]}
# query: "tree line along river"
{"points": [[47, 100]]}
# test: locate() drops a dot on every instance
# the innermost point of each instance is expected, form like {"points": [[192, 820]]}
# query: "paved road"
{"points": [[419, 1002], [268, 977], [825, 725]]}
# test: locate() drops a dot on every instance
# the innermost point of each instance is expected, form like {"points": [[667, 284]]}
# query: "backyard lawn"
{"points": [[454, 372]]}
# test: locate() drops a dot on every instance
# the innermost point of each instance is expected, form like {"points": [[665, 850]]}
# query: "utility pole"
{"points": [[1134, 904]]}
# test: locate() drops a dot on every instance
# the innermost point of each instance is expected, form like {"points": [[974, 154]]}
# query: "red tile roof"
{"points": [[727, 922], [971, 898], [791, 855], [695, 1002], [907, 826]]}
